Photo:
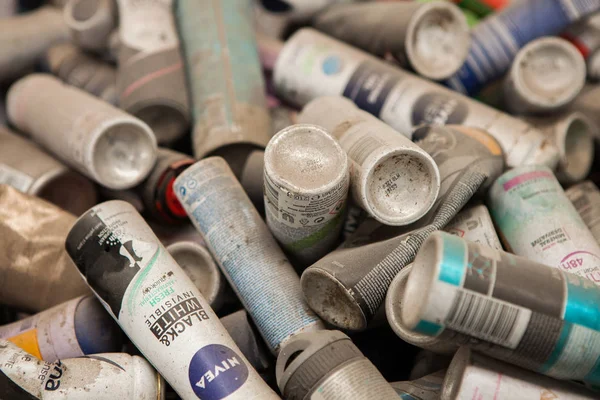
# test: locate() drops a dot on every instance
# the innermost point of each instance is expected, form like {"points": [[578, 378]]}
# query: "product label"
{"points": [[370, 85], [28, 342], [17, 179], [475, 225], [586, 199], [439, 109]]}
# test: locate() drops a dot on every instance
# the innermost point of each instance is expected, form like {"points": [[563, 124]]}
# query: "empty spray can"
{"points": [[72, 329], [471, 375], [151, 79], [95, 138], [585, 35], [393, 179], [573, 134], [313, 65], [84, 71], [586, 200], [536, 220], [247, 253], [306, 185], [226, 83], [537, 317], [547, 74], [33, 257], [347, 286], [328, 365], [475, 225], [496, 41], [158, 306], [432, 37], [91, 22], [252, 178], [200, 267], [428, 387], [22, 376], [27, 168], [26, 37]]}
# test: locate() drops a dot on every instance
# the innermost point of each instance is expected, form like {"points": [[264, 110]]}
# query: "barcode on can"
{"points": [[362, 148], [17, 179], [488, 318]]}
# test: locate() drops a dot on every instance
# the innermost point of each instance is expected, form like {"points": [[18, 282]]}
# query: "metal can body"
{"points": [[306, 186], [585, 35], [158, 306], [27, 168], [433, 37], [73, 329], [244, 248], [497, 40], [426, 388], [95, 138], [151, 78], [327, 365], [536, 220], [392, 178], [586, 200], [475, 225], [472, 375], [313, 65], [91, 22], [22, 376], [546, 75], [223, 69]]}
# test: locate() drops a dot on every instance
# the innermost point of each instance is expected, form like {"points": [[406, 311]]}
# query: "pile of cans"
{"points": [[299, 199]]}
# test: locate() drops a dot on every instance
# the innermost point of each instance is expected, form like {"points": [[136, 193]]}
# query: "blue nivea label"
{"points": [[369, 86]]}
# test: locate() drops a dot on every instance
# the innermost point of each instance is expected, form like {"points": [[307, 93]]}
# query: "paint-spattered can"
{"points": [[82, 70], [108, 145], [151, 78], [585, 35], [573, 134], [34, 32], [517, 310], [78, 327], [32, 253], [27, 168], [327, 365], [158, 306], [393, 179], [496, 41], [91, 22], [226, 84], [306, 182], [586, 199], [252, 178], [433, 37], [536, 220], [475, 225], [247, 253], [199, 265], [347, 286], [428, 387], [471, 375], [22, 376], [313, 65], [546, 75]]}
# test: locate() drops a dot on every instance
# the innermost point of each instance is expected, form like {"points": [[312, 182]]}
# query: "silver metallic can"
{"points": [[428, 387], [433, 37], [585, 35], [392, 178], [313, 65], [91, 22], [158, 306], [252, 178], [475, 225], [306, 183], [98, 140], [586, 200], [536, 220], [327, 365], [247, 253], [27, 168], [546, 75]]}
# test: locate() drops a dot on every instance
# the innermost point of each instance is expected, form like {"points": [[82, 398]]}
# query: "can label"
{"points": [[586, 200], [17, 179], [475, 225], [147, 25], [439, 109]]}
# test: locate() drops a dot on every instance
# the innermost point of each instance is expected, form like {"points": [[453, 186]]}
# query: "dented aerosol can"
{"points": [[73, 329], [392, 178], [536, 220], [22, 376], [306, 183], [313, 65], [226, 84], [586, 200], [327, 365], [158, 306]]}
